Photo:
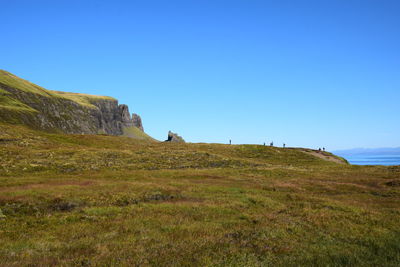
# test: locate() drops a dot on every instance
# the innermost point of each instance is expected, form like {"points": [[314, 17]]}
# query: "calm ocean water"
{"points": [[373, 159]]}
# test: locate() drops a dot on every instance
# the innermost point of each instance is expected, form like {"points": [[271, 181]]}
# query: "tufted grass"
{"points": [[93, 200]]}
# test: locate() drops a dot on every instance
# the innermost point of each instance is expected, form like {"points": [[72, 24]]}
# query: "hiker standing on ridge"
{"points": [[284, 145]]}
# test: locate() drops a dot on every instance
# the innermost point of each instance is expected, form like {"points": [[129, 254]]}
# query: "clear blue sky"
{"points": [[307, 73]]}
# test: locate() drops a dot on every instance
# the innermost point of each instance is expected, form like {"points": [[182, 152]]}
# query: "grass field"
{"points": [[93, 200]]}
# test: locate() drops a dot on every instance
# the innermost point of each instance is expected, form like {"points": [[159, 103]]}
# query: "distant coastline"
{"points": [[371, 156]]}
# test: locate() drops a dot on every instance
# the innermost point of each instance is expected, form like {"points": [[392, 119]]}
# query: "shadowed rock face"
{"points": [[125, 115], [107, 115], [126, 119], [175, 138], [137, 121]]}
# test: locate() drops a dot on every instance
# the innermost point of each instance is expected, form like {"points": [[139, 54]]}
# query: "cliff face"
{"points": [[137, 121], [29, 104]]}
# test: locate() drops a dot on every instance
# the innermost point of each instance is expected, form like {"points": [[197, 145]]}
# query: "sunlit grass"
{"points": [[104, 200], [12, 81]]}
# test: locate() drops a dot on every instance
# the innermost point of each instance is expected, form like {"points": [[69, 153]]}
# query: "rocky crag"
{"points": [[174, 138], [22, 102]]}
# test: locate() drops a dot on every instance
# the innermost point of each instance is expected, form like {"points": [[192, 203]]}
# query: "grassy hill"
{"points": [[10, 80], [22, 102], [94, 200]]}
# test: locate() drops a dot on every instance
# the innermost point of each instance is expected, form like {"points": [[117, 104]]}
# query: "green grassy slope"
{"points": [[13, 81], [115, 201], [7, 102], [134, 132]]}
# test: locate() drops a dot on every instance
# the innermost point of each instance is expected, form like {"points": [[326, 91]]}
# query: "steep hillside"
{"points": [[22, 102]]}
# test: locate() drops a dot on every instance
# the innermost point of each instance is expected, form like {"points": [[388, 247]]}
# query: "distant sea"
{"points": [[372, 159]]}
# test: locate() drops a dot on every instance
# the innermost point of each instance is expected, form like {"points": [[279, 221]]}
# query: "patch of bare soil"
{"points": [[323, 155], [393, 183]]}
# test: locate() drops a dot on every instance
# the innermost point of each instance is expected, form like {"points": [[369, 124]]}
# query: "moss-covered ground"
{"points": [[81, 200]]}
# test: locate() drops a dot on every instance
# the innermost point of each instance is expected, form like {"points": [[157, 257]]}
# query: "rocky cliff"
{"points": [[26, 103]]}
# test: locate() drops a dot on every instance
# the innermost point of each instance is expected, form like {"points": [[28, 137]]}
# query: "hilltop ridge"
{"points": [[23, 102]]}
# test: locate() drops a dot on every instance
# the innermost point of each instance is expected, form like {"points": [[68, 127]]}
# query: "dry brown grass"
{"points": [[71, 200]]}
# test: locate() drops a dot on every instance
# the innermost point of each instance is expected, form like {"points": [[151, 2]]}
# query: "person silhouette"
{"points": [[230, 141], [284, 145]]}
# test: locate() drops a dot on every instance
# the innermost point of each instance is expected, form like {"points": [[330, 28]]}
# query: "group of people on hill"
{"points": [[284, 145]]}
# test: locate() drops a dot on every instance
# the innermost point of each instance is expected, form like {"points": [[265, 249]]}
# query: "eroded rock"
{"points": [[175, 138], [137, 121]]}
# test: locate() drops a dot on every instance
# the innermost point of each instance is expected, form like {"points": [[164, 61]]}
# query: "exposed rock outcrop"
{"points": [[175, 138], [34, 106], [127, 120], [137, 121], [125, 115]]}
